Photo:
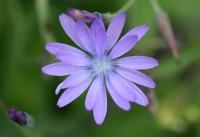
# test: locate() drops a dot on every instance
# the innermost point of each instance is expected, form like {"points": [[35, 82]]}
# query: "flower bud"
{"points": [[166, 29], [20, 117], [167, 33], [82, 15]]}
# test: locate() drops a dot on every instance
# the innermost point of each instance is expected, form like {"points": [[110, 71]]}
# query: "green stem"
{"points": [[155, 5], [108, 16], [127, 5], [44, 19]]}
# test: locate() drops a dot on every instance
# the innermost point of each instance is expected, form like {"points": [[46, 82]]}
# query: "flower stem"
{"points": [[108, 16], [127, 5], [44, 19], [155, 5]]}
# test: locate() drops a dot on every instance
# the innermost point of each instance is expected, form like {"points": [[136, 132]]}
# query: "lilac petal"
{"points": [[100, 108], [56, 48], [137, 62], [72, 93], [99, 36], [119, 100], [95, 88], [123, 46], [74, 60], [69, 26], [136, 77], [121, 86], [59, 69], [76, 78], [141, 98], [84, 34], [114, 29], [139, 31], [58, 88], [68, 54]]}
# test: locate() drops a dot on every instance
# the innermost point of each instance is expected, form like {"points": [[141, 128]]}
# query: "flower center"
{"points": [[101, 65]]}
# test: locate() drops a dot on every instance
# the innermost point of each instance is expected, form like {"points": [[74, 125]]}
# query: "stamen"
{"points": [[101, 65]]}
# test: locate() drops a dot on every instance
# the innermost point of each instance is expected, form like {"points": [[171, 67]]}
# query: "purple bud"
{"points": [[19, 117], [166, 29], [167, 33], [82, 15]]}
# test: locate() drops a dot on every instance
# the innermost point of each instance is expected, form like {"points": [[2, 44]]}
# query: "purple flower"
{"points": [[99, 67]]}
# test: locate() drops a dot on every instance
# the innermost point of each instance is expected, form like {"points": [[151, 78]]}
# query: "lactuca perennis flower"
{"points": [[97, 65]]}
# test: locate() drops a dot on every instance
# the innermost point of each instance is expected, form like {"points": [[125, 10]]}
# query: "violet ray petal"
{"points": [[56, 48], [117, 98], [121, 86], [74, 60], [69, 26], [100, 108], [84, 34], [99, 22], [76, 78], [99, 36], [59, 69], [137, 62], [139, 31], [72, 93], [123, 46], [141, 98], [136, 77], [114, 30], [58, 88], [95, 88]]}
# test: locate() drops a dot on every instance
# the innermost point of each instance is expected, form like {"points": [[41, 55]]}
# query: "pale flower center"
{"points": [[101, 65]]}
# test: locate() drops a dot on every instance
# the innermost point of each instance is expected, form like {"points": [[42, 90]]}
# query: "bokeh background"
{"points": [[25, 26]]}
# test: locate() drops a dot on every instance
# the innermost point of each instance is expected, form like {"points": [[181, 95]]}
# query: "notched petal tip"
{"points": [[156, 63], [47, 46], [88, 108], [51, 47], [145, 104], [153, 85], [59, 104], [145, 26], [58, 88], [45, 70], [140, 31], [99, 122], [128, 108], [63, 15]]}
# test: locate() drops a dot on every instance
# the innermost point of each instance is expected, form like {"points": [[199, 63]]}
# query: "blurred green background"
{"points": [[25, 26]]}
